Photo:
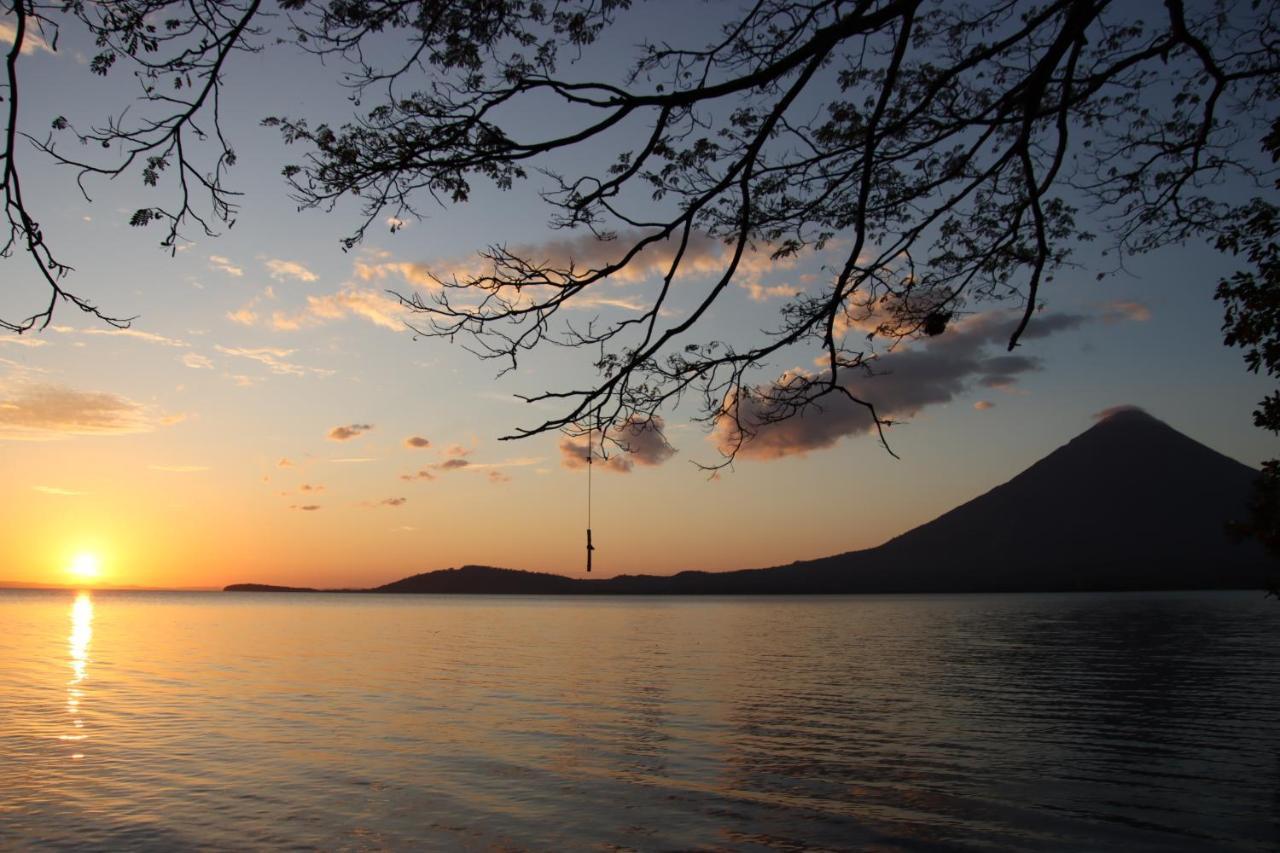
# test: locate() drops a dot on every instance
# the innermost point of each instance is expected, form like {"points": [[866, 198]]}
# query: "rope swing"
{"points": [[590, 454]]}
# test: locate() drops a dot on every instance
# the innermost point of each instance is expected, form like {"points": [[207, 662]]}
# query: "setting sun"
{"points": [[85, 566]]}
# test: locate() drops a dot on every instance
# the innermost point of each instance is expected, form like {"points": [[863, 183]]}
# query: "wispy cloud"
{"points": [[31, 41], [285, 462], [218, 262], [306, 507], [274, 359], [354, 460], [984, 405], [22, 341], [704, 256], [351, 301], [54, 490], [138, 334], [284, 270], [196, 361], [424, 474], [179, 469]]}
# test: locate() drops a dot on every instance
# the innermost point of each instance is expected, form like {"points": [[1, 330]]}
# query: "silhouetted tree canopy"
{"points": [[1251, 298], [947, 153]]}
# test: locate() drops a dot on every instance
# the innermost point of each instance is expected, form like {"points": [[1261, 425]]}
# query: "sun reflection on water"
{"points": [[78, 646]]}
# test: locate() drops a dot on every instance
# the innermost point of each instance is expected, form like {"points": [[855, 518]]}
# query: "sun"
{"points": [[85, 566]]}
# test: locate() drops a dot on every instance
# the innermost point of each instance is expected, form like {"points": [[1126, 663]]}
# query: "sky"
{"points": [[268, 417]]}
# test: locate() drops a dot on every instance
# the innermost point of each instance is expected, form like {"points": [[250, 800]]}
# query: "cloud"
{"points": [[393, 502], [138, 334], [245, 316], [54, 490], [970, 353], [1121, 310], [457, 451], [310, 487], [351, 301], [354, 460], [704, 256], [984, 405], [196, 361], [179, 469], [22, 341], [31, 40], [424, 474], [218, 262], [41, 411], [416, 442], [497, 477], [273, 358], [452, 464], [306, 507], [637, 443], [1117, 410], [285, 462], [346, 433], [282, 270]]}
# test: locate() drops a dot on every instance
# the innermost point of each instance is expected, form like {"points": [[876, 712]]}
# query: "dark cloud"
{"points": [[416, 442], [971, 353], [393, 501], [452, 464], [306, 507], [344, 433], [637, 443]]}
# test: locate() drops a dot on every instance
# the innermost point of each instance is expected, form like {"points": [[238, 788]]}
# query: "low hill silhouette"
{"points": [[1129, 504]]}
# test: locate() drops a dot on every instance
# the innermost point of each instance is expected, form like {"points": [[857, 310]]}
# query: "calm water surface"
{"points": [[215, 720]]}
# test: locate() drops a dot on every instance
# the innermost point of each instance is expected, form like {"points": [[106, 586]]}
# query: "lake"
{"points": [[1136, 721]]}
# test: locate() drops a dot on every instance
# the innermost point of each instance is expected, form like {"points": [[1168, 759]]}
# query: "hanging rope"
{"points": [[590, 454]]}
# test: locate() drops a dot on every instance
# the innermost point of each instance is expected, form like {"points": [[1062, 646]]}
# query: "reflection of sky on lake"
{"points": [[1102, 722]]}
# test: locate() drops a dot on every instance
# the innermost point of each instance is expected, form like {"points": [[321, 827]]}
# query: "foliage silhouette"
{"points": [[942, 152]]}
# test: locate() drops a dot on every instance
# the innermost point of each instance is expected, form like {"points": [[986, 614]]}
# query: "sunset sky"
{"points": [[269, 418]]}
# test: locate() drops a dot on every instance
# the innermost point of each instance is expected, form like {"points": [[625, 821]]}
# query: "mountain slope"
{"points": [[1129, 504]]}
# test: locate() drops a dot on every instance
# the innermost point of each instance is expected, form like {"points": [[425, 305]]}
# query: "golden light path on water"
{"points": [[78, 647]]}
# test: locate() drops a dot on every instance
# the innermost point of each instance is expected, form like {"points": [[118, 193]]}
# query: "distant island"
{"points": [[1130, 504]]}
